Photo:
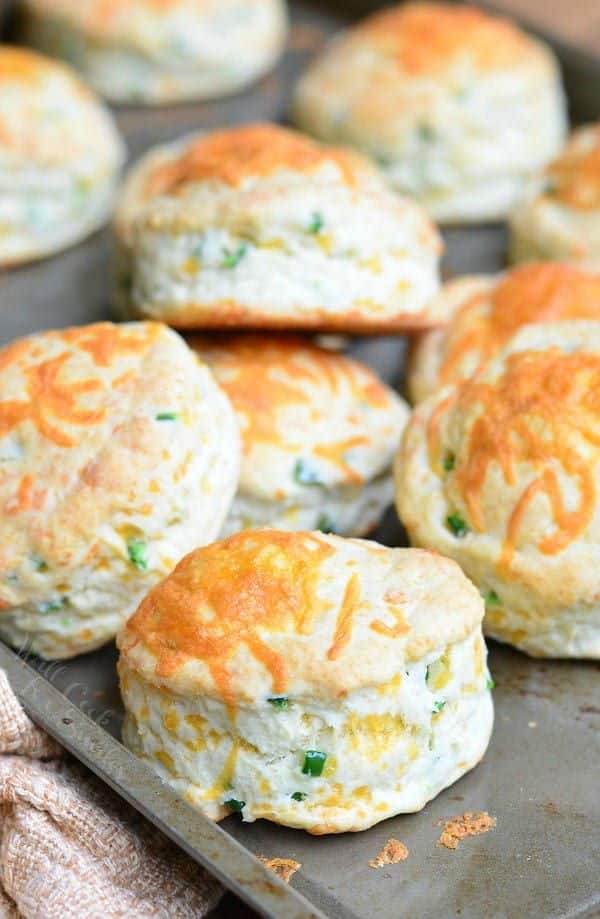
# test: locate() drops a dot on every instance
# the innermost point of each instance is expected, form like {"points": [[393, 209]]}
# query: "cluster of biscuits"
{"points": [[201, 496]]}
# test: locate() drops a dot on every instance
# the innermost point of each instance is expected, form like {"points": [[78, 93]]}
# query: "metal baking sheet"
{"points": [[539, 776]]}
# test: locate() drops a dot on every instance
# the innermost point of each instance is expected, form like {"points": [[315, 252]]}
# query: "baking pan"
{"points": [[539, 778]]}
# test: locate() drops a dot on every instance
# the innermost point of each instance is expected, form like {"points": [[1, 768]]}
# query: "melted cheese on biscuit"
{"points": [[224, 596], [541, 413], [237, 155], [534, 293], [425, 38], [273, 383]]}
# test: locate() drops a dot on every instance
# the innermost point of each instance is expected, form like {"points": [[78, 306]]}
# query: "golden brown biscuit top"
{"points": [[263, 376], [541, 411], [425, 38], [50, 119], [224, 596], [533, 293], [574, 177], [267, 612], [253, 151], [101, 14], [19, 65], [151, 25], [102, 11]]}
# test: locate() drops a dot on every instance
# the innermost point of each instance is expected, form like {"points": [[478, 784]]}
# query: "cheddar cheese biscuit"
{"points": [[487, 311], [502, 473], [258, 226], [149, 51], [118, 454], [319, 433], [60, 157], [559, 215], [458, 107], [319, 682]]}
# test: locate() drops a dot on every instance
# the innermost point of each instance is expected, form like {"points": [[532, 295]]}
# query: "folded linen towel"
{"points": [[71, 849]]}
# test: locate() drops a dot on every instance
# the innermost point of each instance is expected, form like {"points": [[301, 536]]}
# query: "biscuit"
{"points": [[118, 454], [487, 311], [502, 474], [142, 51], [559, 215], [319, 682], [60, 157], [319, 433], [258, 226], [458, 107]]}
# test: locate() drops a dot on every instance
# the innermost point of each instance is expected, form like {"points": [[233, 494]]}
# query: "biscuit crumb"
{"points": [[393, 852], [467, 824], [284, 868]]}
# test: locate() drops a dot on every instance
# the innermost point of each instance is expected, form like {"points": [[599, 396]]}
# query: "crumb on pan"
{"points": [[284, 868], [467, 824], [393, 852]]}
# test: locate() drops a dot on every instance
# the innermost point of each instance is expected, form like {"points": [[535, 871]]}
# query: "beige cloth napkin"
{"points": [[71, 849]]}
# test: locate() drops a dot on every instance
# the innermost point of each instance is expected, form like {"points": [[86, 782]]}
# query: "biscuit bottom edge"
{"points": [[325, 765]]}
